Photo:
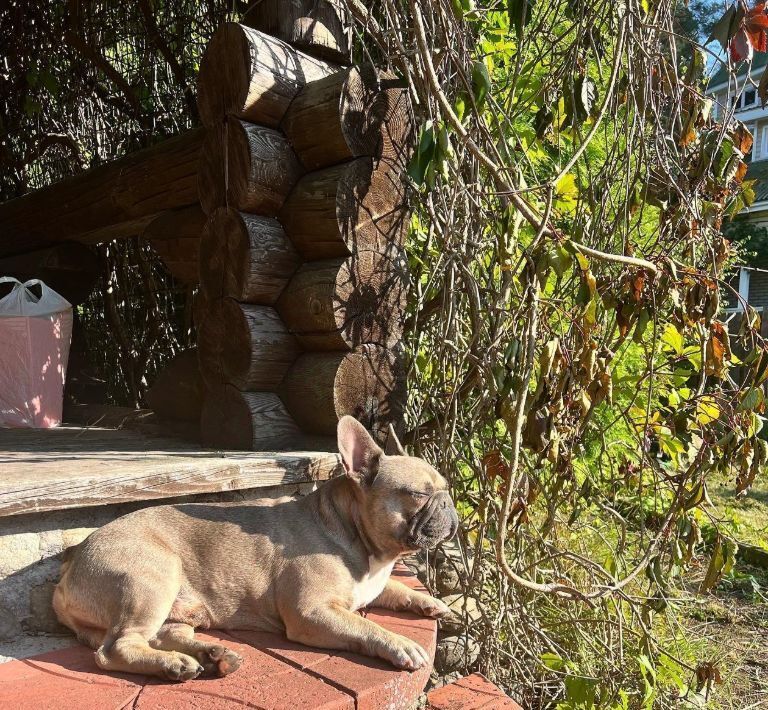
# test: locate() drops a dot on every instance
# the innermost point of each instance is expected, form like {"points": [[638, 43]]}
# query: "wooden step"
{"points": [[77, 467]]}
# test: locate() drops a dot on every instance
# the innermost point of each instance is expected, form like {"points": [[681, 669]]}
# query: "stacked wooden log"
{"points": [[302, 272]]}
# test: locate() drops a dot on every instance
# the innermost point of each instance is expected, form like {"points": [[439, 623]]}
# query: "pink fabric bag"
{"points": [[35, 333]]}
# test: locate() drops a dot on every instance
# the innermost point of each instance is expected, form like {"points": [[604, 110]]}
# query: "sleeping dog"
{"points": [[136, 589]]}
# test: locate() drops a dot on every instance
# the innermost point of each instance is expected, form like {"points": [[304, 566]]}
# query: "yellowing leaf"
{"points": [[566, 187], [707, 410], [673, 339]]}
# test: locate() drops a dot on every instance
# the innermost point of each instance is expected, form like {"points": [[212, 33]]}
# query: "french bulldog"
{"points": [[136, 589]]}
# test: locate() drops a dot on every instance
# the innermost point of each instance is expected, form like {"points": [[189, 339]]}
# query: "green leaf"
{"points": [[642, 324], [707, 410], [579, 100], [460, 106], [552, 661], [721, 562], [751, 400], [422, 161], [481, 83], [725, 28]]}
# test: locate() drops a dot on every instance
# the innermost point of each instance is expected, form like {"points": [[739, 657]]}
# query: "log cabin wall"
{"points": [[288, 209], [303, 276]]}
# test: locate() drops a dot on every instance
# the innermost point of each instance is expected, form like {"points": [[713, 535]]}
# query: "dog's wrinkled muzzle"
{"points": [[435, 522]]}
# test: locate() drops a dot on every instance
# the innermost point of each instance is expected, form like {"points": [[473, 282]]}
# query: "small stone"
{"points": [[436, 680], [447, 580], [450, 568], [455, 653], [465, 614]]}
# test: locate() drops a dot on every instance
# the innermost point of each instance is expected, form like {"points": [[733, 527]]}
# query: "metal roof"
{"points": [[721, 75]]}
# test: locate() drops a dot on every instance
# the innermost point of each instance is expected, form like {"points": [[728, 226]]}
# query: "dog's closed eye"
{"points": [[417, 494]]}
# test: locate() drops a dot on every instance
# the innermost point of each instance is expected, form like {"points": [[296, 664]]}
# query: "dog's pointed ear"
{"points": [[359, 452], [393, 446]]}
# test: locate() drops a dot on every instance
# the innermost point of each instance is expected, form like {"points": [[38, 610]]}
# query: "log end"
{"points": [[337, 211], [247, 421], [247, 167], [318, 27], [224, 76], [368, 383], [246, 257], [338, 304]]}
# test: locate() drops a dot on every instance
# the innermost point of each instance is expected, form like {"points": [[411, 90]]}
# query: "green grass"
{"points": [[729, 626]]}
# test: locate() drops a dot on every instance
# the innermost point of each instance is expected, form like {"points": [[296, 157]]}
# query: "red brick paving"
{"points": [[67, 678], [276, 674], [475, 692]]}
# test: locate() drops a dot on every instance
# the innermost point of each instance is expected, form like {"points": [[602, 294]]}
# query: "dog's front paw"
{"points": [[406, 654], [180, 667], [430, 607]]}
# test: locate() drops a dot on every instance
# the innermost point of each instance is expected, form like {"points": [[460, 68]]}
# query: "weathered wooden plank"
{"points": [[114, 200], [73, 467]]}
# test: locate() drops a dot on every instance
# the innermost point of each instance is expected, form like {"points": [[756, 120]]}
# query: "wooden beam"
{"points": [[361, 111], [250, 75], [353, 206], [319, 27], [114, 200], [368, 383], [46, 470], [336, 304], [244, 345], [177, 391], [247, 167], [175, 236], [251, 421], [246, 257]]}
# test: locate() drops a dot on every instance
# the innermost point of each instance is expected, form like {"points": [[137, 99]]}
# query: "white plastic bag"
{"points": [[35, 334]]}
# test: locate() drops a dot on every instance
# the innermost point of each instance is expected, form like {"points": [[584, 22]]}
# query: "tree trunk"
{"points": [[247, 167], [70, 269], [175, 236], [176, 393], [358, 112], [346, 208], [337, 304], [367, 383], [107, 202], [318, 27], [251, 421], [244, 345], [252, 76], [245, 257]]}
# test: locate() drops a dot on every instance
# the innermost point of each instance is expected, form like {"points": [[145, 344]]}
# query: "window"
{"points": [[763, 142], [757, 151], [750, 98]]}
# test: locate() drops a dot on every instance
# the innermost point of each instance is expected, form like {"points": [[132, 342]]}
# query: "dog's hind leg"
{"points": [[143, 607], [215, 658]]}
